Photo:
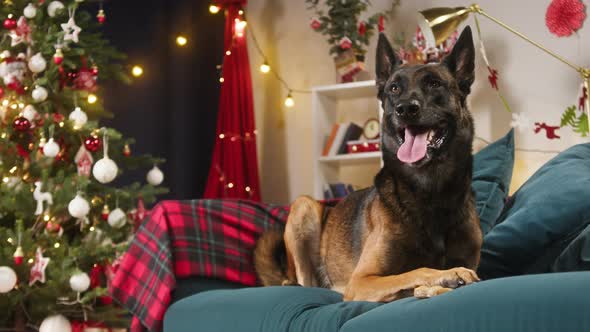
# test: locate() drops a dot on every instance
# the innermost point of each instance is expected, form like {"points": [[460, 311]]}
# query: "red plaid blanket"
{"points": [[210, 238]]}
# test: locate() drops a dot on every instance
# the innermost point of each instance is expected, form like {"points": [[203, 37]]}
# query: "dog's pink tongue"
{"points": [[413, 149]]}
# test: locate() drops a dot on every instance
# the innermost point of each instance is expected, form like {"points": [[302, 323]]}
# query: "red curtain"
{"points": [[234, 167]]}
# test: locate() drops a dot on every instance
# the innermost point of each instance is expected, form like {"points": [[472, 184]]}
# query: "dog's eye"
{"points": [[395, 88], [433, 84]]}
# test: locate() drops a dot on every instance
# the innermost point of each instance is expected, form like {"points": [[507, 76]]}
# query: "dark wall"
{"points": [[171, 110]]}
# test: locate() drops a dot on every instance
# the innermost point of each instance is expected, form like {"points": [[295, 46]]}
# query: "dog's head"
{"points": [[426, 123]]}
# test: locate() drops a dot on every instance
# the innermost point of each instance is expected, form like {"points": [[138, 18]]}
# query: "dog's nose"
{"points": [[407, 109]]}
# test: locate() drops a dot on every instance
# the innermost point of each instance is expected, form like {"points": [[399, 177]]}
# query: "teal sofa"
{"points": [[535, 264], [542, 302]]}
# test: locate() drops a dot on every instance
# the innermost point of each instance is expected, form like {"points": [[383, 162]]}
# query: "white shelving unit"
{"points": [[356, 102]]}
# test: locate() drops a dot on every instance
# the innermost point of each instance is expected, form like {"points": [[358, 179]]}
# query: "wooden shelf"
{"points": [[352, 158], [363, 89], [339, 103]]}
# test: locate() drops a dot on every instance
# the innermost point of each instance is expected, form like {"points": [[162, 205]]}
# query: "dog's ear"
{"points": [[461, 61], [387, 62]]}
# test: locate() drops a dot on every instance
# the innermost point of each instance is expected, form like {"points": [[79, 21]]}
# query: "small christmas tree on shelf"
{"points": [[63, 223], [340, 22]]}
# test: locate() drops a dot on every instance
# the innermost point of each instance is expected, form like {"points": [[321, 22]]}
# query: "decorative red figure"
{"points": [[550, 131]]}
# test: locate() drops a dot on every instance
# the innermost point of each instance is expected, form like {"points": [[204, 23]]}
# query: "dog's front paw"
{"points": [[288, 282], [455, 277], [424, 292]]}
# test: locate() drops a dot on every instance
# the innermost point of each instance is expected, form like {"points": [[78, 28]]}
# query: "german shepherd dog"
{"points": [[416, 231]]}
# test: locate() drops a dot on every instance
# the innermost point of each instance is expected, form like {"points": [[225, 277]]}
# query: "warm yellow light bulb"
{"points": [[181, 41], [30, 261], [221, 80], [265, 68], [92, 98], [56, 245], [289, 102], [46, 217], [213, 9], [137, 71]]}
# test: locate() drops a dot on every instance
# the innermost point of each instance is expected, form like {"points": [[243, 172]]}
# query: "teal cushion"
{"points": [[535, 303], [576, 256], [263, 309], [549, 210], [492, 173]]}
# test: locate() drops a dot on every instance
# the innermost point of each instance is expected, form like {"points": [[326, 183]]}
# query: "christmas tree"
{"points": [[63, 221]]}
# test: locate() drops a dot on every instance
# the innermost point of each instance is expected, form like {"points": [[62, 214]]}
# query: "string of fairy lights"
{"points": [[265, 67]]}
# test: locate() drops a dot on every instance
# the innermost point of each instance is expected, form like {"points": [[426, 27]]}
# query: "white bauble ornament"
{"points": [[53, 7], [7, 279], [79, 207], [105, 170], [30, 11], [55, 323], [51, 148], [80, 282], [30, 113], [37, 63], [39, 94], [79, 117], [155, 176], [117, 218]]}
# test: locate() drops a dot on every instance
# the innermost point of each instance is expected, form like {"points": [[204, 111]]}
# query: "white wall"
{"points": [[531, 81]]}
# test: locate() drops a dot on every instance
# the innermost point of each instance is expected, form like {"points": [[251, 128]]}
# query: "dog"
{"points": [[416, 230]]}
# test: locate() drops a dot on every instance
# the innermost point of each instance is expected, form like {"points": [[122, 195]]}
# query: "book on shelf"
{"points": [[337, 190], [353, 132], [340, 134], [330, 139]]}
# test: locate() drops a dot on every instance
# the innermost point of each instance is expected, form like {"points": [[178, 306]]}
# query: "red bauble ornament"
{"points": [[85, 80], [58, 57], [105, 212], [18, 256], [21, 124], [92, 143], [58, 117], [101, 17], [362, 29], [52, 227], [565, 17], [1, 92], [126, 150], [9, 23]]}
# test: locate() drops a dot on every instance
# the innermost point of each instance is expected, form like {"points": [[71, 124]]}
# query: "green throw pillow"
{"points": [[492, 173], [542, 218]]}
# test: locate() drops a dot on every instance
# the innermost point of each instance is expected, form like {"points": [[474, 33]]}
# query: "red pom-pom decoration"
{"points": [[565, 17]]}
